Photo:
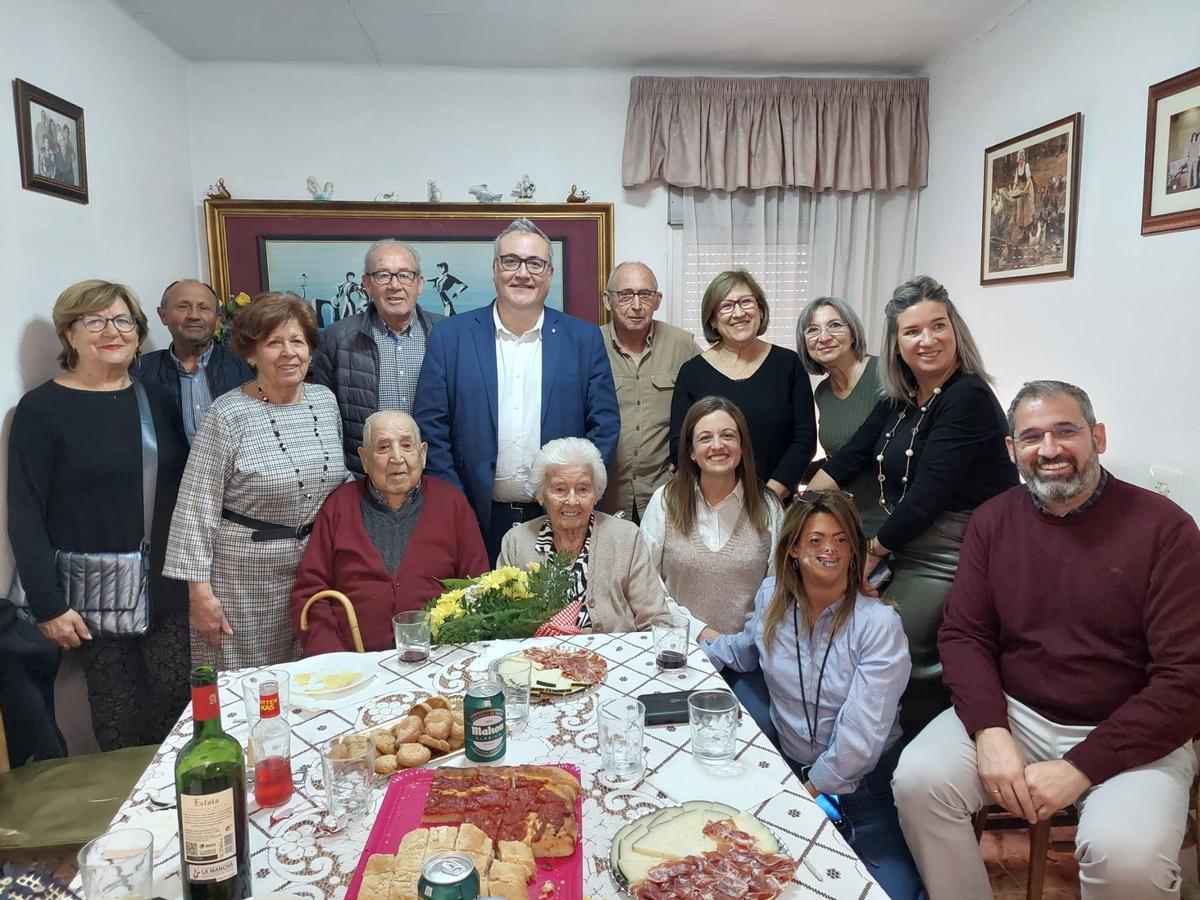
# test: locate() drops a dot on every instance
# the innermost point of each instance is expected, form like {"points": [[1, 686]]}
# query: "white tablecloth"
{"points": [[294, 855]]}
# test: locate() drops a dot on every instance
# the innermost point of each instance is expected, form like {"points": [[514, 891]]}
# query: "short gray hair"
{"points": [[629, 262], [390, 242], [174, 284], [858, 341], [898, 380], [1044, 390], [376, 418], [523, 226], [568, 451]]}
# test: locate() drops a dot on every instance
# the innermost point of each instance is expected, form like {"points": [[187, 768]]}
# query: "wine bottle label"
{"points": [[209, 835], [205, 705]]}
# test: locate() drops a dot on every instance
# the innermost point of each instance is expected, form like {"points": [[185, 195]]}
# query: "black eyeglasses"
{"points": [[123, 323], [383, 277], [626, 298], [534, 265]]}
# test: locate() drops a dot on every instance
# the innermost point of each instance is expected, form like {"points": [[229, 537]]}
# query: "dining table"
{"points": [[298, 850]]}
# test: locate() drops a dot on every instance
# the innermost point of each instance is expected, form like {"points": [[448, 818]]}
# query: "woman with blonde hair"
{"points": [[835, 662], [75, 483]]}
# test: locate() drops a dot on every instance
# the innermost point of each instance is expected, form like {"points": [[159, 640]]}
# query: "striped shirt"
{"points": [[400, 357], [195, 397]]}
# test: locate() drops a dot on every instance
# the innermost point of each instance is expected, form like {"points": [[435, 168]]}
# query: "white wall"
{"points": [[1126, 327], [265, 129]]}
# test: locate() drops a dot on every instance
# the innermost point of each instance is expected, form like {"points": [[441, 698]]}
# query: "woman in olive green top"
{"points": [[830, 341]]}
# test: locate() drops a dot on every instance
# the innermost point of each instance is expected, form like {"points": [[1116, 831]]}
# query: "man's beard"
{"points": [[1061, 490]]}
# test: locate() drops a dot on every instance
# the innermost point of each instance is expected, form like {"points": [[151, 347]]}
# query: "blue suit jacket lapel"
{"points": [[551, 344], [484, 333]]}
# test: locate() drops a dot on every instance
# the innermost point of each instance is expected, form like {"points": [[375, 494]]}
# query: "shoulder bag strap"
{"points": [[149, 460]]}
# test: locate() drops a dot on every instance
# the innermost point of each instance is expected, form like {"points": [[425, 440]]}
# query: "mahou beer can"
{"points": [[483, 718], [448, 876]]}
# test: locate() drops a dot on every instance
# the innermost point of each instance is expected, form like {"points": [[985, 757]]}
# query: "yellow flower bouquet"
{"points": [[508, 602], [227, 311]]}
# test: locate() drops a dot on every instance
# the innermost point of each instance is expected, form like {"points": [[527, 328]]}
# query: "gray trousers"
{"points": [[1130, 826]]}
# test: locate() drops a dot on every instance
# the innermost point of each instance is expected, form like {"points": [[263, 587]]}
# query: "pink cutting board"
{"points": [[401, 812]]}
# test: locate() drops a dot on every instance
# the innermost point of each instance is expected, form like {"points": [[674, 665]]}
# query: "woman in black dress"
{"points": [[767, 382], [75, 483], [936, 444]]}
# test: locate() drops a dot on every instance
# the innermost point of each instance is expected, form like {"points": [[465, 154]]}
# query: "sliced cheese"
{"points": [[684, 835], [634, 866]]}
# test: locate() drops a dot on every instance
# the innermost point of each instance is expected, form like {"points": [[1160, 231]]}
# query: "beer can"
{"points": [[448, 876], [483, 720]]}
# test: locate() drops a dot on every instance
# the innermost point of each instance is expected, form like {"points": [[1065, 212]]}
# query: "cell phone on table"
{"points": [[880, 576], [831, 806]]}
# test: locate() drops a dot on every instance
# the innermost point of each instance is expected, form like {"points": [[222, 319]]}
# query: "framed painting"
{"points": [[316, 250], [50, 143], [1171, 192], [1031, 203]]}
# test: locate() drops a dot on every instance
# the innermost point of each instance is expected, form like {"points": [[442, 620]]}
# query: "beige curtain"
{"points": [[842, 134]]}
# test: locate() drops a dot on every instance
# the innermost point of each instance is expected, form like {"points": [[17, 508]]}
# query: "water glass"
{"points": [[670, 634], [413, 637], [713, 716], [118, 865], [622, 726], [348, 765], [515, 676]]}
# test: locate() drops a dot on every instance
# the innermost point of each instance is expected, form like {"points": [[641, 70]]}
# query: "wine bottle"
{"points": [[210, 792]]}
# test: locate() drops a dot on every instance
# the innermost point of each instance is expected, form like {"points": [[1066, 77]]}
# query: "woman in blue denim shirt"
{"points": [[835, 663]]}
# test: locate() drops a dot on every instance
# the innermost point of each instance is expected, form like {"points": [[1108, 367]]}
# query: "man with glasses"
{"points": [[195, 368], [500, 381], [645, 356], [1071, 648], [371, 360]]}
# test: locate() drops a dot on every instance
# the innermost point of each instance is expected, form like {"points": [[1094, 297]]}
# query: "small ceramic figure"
{"points": [[318, 192], [524, 190], [481, 193], [578, 196], [435, 192], [387, 196], [219, 191]]}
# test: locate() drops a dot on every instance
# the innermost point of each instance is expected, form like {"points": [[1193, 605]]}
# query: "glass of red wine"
{"points": [[670, 634], [412, 635]]}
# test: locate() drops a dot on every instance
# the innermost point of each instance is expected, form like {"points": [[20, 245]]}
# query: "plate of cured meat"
{"points": [[559, 670], [700, 849]]}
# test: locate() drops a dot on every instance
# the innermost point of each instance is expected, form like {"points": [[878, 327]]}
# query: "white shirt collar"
{"points": [[736, 496], [532, 334]]}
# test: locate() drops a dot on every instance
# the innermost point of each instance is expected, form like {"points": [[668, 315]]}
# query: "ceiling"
{"points": [[743, 35]]}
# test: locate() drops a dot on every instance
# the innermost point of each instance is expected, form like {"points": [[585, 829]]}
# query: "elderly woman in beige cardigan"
{"points": [[616, 585]]}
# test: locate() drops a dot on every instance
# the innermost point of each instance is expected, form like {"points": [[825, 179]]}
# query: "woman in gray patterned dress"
{"points": [[263, 461]]}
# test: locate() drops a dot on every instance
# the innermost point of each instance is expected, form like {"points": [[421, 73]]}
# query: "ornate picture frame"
{"points": [[307, 246], [1171, 186], [1031, 204], [50, 143]]}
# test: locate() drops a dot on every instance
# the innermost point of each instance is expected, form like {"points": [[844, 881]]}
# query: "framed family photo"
{"points": [[315, 250], [50, 143], [1030, 204], [1171, 191]]}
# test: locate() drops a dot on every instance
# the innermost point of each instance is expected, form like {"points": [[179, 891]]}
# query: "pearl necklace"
{"points": [[283, 447], [907, 453]]}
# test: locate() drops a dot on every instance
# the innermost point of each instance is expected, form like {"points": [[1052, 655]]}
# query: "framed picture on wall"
{"points": [[1171, 192], [316, 250], [50, 143], [1030, 204]]}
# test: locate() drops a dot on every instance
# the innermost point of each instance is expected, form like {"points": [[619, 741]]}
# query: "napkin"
{"points": [[163, 824], [741, 786]]}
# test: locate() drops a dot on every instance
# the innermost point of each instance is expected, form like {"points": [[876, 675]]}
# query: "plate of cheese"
{"points": [[330, 673]]}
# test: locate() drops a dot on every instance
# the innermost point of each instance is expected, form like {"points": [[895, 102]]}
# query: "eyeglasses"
{"points": [[1033, 438], [123, 323], [534, 265], [814, 496], [832, 327], [747, 303], [383, 277], [626, 298]]}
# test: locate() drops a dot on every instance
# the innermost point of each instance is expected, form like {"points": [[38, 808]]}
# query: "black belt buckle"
{"points": [[303, 531]]}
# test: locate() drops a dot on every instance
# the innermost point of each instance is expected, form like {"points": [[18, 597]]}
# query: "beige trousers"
{"points": [[1130, 826]]}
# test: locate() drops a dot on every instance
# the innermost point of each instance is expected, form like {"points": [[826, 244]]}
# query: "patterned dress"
{"points": [[239, 463]]}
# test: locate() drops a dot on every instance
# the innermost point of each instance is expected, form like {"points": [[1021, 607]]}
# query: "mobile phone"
{"points": [[831, 806], [881, 576]]}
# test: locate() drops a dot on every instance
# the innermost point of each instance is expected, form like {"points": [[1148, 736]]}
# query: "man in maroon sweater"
{"points": [[1071, 647]]}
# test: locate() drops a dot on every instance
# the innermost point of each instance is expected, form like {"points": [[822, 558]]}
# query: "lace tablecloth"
{"points": [[295, 855]]}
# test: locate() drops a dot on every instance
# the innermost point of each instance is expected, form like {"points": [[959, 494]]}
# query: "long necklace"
{"points": [[811, 723], [908, 454], [283, 447]]}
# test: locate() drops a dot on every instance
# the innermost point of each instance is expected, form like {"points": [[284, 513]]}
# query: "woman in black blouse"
{"points": [[936, 443], [75, 483], [768, 383]]}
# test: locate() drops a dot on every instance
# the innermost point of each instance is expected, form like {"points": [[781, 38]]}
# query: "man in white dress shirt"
{"points": [[500, 381]]}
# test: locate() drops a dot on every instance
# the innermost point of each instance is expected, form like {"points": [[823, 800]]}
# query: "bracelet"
{"points": [[873, 548]]}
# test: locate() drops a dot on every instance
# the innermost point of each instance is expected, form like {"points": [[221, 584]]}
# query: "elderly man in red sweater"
{"points": [[1071, 647], [385, 541]]}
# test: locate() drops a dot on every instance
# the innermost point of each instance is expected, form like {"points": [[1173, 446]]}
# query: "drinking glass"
{"points": [[515, 675], [670, 641], [413, 638], [348, 765], [713, 716], [622, 726], [118, 865]]}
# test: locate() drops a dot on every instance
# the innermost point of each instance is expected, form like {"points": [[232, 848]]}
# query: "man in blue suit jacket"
{"points": [[500, 381]]}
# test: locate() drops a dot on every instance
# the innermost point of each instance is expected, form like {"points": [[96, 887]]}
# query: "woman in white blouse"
{"points": [[710, 529]]}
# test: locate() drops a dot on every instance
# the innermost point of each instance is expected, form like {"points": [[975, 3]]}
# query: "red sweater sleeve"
{"points": [[316, 574], [473, 559]]}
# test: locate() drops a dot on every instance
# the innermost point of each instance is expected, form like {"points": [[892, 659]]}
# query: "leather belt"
{"points": [[268, 531]]}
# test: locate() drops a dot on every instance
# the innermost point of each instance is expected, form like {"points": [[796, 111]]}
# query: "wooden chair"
{"points": [[350, 614]]}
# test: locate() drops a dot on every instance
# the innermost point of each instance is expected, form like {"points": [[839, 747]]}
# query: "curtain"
{"points": [[845, 134], [800, 244]]}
